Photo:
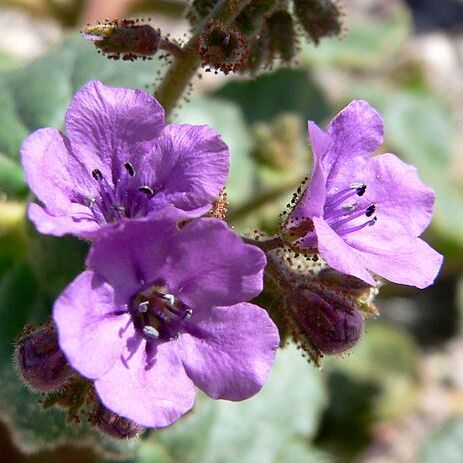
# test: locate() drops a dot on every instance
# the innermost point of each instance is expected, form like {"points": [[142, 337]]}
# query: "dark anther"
{"points": [[373, 221], [370, 210], [96, 174], [129, 168], [146, 190], [361, 190], [187, 314]]}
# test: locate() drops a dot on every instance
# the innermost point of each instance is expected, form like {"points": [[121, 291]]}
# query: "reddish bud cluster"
{"points": [[124, 38], [270, 27], [319, 18], [223, 47]]}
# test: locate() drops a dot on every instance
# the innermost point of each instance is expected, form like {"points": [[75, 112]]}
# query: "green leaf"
{"points": [[267, 428], [278, 92], [446, 445], [226, 119]]}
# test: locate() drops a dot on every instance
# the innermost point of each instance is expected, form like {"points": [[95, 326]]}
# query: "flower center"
{"points": [[127, 198], [343, 214], [158, 314]]}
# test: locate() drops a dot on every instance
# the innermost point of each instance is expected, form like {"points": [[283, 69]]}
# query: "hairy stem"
{"points": [[186, 64]]}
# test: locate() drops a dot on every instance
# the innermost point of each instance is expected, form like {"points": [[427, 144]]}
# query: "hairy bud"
{"points": [[259, 52], [223, 47], [325, 319], [114, 425], [282, 35], [40, 361], [125, 38], [319, 18]]}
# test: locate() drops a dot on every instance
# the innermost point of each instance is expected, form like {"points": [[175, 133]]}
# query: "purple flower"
{"points": [[362, 212], [162, 309], [119, 161]]}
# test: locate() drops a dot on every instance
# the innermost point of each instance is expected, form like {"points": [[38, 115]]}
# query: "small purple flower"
{"points": [[364, 212], [162, 309], [119, 161]]}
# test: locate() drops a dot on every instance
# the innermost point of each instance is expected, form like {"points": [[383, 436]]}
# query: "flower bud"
{"points": [[327, 319], [114, 425], [259, 54], [125, 38], [40, 361], [200, 9], [282, 35], [223, 47], [346, 283], [319, 18]]}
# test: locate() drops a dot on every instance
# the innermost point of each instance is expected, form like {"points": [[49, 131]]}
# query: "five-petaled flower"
{"points": [[362, 212], [163, 308], [119, 161]]}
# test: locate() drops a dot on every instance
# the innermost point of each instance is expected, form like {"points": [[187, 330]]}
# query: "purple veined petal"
{"points": [[404, 205], [338, 254], [408, 261], [187, 166], [91, 329], [152, 391], [229, 354], [313, 200], [107, 126], [212, 266], [53, 172], [356, 132], [358, 128], [61, 225], [133, 254]]}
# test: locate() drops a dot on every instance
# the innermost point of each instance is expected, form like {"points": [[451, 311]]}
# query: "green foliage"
{"points": [[278, 92]]}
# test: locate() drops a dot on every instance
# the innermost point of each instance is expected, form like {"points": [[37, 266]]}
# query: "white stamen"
{"points": [[151, 332], [143, 306]]}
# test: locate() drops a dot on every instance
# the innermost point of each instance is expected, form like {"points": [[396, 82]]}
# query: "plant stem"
{"points": [[266, 245], [186, 64]]}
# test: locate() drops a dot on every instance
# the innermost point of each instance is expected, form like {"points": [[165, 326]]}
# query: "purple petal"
{"points": [[338, 254], [63, 224], [404, 205], [358, 128], [52, 171], [230, 353], [356, 132], [90, 331], [134, 253], [407, 261], [313, 199], [188, 164], [107, 125], [153, 392], [212, 265]]}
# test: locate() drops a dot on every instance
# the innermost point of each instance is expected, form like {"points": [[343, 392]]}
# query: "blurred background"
{"points": [[395, 398]]}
